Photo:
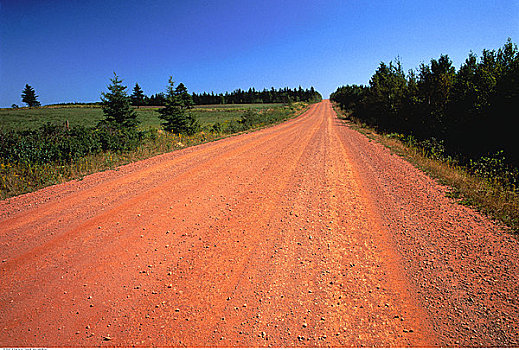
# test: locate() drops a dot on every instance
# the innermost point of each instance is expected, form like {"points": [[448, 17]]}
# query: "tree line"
{"points": [[238, 96], [466, 113]]}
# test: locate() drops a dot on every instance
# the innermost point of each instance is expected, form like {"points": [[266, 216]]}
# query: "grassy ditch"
{"points": [[52, 154], [482, 187]]}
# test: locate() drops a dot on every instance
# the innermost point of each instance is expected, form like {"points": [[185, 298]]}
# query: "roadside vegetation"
{"points": [[58, 143], [459, 126]]}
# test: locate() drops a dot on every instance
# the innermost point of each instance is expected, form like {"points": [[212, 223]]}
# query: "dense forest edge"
{"points": [[463, 118], [466, 116]]}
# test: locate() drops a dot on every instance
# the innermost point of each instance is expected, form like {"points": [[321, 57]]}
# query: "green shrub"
{"points": [[495, 168], [57, 144], [118, 139], [250, 119]]}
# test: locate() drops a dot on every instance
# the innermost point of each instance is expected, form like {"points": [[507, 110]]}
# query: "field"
{"points": [[89, 115]]}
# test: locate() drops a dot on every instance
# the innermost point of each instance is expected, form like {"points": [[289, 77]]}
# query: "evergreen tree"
{"points": [[29, 96], [117, 105], [185, 99], [173, 115], [137, 96]]}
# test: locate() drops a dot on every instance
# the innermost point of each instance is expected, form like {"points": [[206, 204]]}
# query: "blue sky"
{"points": [[68, 50]]}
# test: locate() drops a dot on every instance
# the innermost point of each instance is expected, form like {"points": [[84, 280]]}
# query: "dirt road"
{"points": [[305, 234]]}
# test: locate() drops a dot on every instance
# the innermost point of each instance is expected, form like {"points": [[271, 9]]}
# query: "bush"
{"points": [[193, 125], [58, 144], [463, 116], [234, 127], [118, 139], [250, 119], [495, 168]]}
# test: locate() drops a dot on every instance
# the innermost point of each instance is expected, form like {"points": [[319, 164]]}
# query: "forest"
{"points": [[284, 95], [467, 115], [238, 96]]}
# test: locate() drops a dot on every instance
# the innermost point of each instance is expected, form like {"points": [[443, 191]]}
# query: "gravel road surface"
{"points": [[305, 234]]}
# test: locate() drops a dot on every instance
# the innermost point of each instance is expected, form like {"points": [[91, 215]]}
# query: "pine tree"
{"points": [[29, 96], [173, 115], [116, 105], [185, 98], [137, 96]]}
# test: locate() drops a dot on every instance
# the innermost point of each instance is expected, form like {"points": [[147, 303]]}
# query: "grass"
{"points": [[89, 115], [20, 178], [491, 198]]}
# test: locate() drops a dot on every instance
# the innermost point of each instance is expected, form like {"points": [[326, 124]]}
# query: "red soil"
{"points": [[305, 234]]}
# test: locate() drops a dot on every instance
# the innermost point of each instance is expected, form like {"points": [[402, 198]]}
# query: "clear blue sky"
{"points": [[68, 50]]}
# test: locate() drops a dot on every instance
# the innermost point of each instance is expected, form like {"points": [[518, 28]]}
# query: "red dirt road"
{"points": [[305, 234]]}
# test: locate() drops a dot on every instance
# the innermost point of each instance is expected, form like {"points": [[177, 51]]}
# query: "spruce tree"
{"points": [[173, 115], [117, 107], [137, 96], [29, 96], [185, 98]]}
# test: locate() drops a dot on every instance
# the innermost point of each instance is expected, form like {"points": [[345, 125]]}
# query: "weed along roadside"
{"points": [[53, 154]]}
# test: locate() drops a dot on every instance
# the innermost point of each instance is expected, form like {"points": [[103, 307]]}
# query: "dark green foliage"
{"points": [[58, 144], [250, 118], [216, 128], [495, 167], [174, 115], [117, 139], [173, 119], [117, 106], [193, 125], [155, 100], [184, 98], [471, 112], [239, 96], [29, 96], [137, 96], [349, 97], [234, 127]]}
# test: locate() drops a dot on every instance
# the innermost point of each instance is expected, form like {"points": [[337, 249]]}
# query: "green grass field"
{"points": [[89, 115]]}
